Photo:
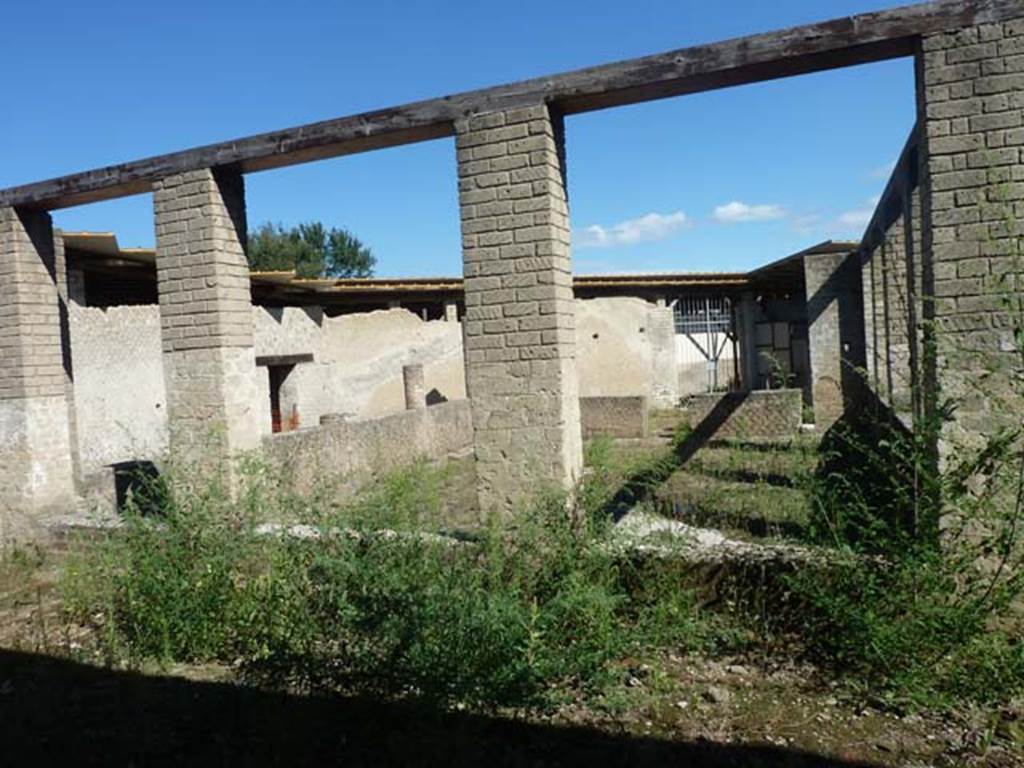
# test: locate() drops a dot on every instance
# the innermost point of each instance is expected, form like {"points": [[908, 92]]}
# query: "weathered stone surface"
{"points": [[354, 449], [215, 403], [36, 470], [971, 238], [774, 413], [415, 389], [615, 416], [835, 330], [520, 322]]}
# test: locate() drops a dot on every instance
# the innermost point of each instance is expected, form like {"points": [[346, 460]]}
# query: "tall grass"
{"points": [[519, 614]]}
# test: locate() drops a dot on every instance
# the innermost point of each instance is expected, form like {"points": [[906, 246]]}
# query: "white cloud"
{"points": [[858, 218], [736, 212], [652, 226]]}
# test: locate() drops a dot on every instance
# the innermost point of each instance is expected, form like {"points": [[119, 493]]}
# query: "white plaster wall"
{"points": [[359, 370], [622, 349], [120, 397], [120, 394]]}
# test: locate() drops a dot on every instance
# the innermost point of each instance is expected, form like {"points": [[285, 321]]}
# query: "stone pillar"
{"points": [[835, 333], [970, 99], [661, 336], [747, 317], [415, 388], [451, 312], [213, 399], [520, 322], [64, 307], [36, 473]]}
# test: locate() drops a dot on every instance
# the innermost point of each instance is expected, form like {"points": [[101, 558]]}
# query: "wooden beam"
{"points": [[842, 42], [902, 181]]}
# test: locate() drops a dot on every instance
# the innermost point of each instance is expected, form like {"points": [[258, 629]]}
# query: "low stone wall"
{"points": [[614, 416], [354, 450], [772, 413]]}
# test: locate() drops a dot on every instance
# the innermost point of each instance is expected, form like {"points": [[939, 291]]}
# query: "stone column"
{"points": [[520, 322], [451, 312], [835, 332], [213, 401], [415, 389], [36, 472], [747, 316], [970, 98]]}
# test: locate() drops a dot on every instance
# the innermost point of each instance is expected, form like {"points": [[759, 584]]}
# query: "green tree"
{"points": [[310, 250]]}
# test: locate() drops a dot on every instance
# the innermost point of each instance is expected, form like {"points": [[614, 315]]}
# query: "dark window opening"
{"points": [[284, 411]]}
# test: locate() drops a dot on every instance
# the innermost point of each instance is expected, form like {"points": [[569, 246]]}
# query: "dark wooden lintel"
{"points": [[268, 360], [842, 42]]}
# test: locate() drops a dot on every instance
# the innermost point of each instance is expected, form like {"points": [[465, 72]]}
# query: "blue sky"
{"points": [[723, 180]]}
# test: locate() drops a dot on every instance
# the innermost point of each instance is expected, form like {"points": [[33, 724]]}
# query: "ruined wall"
{"points": [[349, 452], [627, 346], [120, 398], [614, 416], [357, 363], [360, 365], [758, 414]]}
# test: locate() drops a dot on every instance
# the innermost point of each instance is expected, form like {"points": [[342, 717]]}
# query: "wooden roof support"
{"points": [[842, 42]]}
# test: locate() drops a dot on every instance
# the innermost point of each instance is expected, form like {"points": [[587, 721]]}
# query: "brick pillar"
{"points": [[835, 333], [520, 321], [214, 403], [36, 474], [415, 389], [970, 100]]}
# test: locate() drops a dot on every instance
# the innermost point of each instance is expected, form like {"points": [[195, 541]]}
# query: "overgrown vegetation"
{"points": [[517, 615], [916, 602], [926, 609]]}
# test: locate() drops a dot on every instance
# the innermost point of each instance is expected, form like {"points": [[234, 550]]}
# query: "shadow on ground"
{"points": [[58, 712]]}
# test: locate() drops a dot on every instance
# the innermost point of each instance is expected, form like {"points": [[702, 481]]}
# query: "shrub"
{"points": [[378, 602]]}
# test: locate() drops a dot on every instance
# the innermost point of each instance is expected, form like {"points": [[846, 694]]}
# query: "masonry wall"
{"points": [[835, 332], [758, 414], [349, 452], [36, 470], [215, 405], [623, 416], [971, 107], [627, 346], [892, 285], [120, 397], [520, 324]]}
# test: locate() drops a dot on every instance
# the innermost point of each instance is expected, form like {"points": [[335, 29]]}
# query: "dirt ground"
{"points": [[61, 705]]}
